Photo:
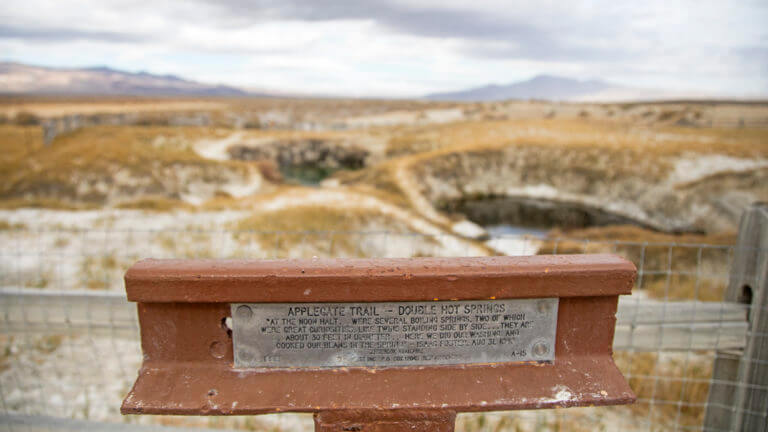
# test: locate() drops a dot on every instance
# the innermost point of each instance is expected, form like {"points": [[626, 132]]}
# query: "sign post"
{"points": [[377, 344]]}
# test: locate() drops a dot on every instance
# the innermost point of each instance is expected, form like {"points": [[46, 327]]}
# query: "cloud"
{"points": [[47, 34], [502, 30], [400, 47]]}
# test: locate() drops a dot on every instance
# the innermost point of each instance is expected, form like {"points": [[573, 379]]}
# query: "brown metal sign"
{"points": [[554, 314]]}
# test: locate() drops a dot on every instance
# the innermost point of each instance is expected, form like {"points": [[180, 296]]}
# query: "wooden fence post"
{"points": [[738, 395]]}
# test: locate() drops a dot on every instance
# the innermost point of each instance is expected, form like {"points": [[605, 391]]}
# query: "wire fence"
{"points": [[69, 343]]}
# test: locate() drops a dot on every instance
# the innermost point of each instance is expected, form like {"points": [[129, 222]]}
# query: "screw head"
{"points": [[540, 349], [217, 349], [244, 312]]}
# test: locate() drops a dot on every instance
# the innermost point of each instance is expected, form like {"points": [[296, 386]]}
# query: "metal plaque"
{"points": [[393, 333]]}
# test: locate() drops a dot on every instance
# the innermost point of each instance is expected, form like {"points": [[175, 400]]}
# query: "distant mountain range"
{"points": [[555, 88], [17, 78]]}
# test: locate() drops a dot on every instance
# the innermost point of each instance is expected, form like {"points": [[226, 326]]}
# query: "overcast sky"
{"points": [[398, 47]]}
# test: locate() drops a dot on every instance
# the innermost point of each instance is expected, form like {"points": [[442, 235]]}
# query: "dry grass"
{"points": [[270, 191], [681, 287], [98, 271], [392, 196], [52, 107], [24, 118], [305, 218], [631, 233], [189, 243], [221, 202], [675, 267], [297, 135], [8, 226], [269, 170], [159, 204], [6, 353], [480, 422], [669, 389], [45, 203], [96, 155], [532, 151], [322, 228], [599, 151], [380, 177], [18, 142], [48, 344], [578, 133], [244, 423]]}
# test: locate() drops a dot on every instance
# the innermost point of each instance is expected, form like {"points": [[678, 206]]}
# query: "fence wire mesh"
{"points": [[69, 342]]}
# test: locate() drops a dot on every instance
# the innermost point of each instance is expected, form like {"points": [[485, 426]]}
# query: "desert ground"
{"points": [[667, 167], [89, 185]]}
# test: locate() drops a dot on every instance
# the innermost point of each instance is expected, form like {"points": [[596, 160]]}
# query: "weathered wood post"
{"points": [[738, 395], [377, 345]]}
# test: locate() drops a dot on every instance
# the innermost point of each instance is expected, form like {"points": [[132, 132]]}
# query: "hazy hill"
{"points": [[17, 78], [540, 87]]}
